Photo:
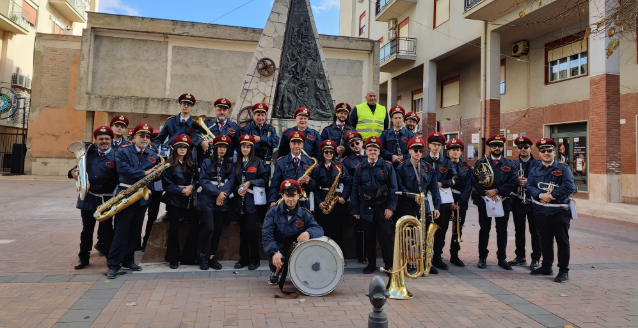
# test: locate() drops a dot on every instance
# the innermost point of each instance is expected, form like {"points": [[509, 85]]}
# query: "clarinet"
{"points": [[340, 157], [243, 180], [396, 138]]}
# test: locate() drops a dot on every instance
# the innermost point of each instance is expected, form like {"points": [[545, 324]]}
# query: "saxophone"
{"points": [[129, 196], [307, 173], [332, 198]]}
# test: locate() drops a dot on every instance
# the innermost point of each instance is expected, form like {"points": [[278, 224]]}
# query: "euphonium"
{"points": [[429, 238], [80, 148], [201, 121], [408, 250], [485, 174], [129, 196], [308, 171], [332, 198]]}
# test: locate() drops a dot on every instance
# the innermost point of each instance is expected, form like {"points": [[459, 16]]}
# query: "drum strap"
{"points": [[284, 274]]}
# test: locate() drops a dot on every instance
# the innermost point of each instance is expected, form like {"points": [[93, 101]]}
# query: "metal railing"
{"points": [[13, 10], [380, 5], [80, 6], [403, 46], [469, 4]]}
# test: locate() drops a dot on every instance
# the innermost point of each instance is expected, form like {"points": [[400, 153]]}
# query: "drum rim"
{"points": [[327, 240]]}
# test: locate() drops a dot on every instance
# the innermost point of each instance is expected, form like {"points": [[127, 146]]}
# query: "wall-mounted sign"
{"points": [[5, 103]]}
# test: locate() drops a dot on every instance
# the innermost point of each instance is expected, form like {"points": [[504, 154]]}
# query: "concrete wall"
{"points": [[469, 93]]}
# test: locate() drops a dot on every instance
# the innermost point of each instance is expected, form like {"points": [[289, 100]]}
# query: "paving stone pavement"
{"points": [[39, 237]]}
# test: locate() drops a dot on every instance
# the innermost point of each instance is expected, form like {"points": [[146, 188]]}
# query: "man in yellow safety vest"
{"points": [[370, 119]]}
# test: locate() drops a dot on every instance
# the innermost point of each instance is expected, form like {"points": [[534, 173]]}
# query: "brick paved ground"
{"points": [[39, 236]]}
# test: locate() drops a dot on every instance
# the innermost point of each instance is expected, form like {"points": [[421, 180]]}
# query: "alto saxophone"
{"points": [[332, 198], [307, 173], [129, 196]]}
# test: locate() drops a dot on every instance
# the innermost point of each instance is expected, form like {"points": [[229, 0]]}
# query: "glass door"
{"points": [[572, 150]]}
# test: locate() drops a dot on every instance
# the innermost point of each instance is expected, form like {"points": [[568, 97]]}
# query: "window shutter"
{"points": [[29, 13], [442, 13], [567, 50], [450, 94]]}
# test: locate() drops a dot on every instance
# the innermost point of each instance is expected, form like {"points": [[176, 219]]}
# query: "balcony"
{"points": [[11, 17], [387, 10], [72, 10], [469, 4], [396, 53], [490, 10]]}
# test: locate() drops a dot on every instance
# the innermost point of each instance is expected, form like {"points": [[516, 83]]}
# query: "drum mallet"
{"points": [[378, 296]]}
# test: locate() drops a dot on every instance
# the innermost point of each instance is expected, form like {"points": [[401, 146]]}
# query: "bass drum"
{"points": [[316, 266]]}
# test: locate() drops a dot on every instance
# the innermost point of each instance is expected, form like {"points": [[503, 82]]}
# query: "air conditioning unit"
{"points": [[20, 80], [520, 48], [392, 29]]}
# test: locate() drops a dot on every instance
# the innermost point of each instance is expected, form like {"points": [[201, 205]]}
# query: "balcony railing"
{"points": [[12, 10], [401, 46], [380, 5], [469, 4], [79, 6]]}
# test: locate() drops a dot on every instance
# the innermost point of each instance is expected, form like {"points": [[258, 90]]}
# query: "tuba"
{"points": [[485, 174], [332, 198], [201, 121], [80, 148], [129, 196], [308, 171]]}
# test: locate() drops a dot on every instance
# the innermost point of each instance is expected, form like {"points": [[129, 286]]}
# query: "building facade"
{"points": [[528, 66]]}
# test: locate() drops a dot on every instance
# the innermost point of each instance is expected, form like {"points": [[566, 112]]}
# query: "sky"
{"points": [[253, 13]]}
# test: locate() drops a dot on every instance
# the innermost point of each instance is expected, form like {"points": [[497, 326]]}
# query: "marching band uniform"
{"points": [[291, 167], [100, 167], [553, 218], [406, 178], [217, 128], [461, 191], [178, 205], [312, 142], [115, 144], [349, 163], [337, 131], [283, 226], [325, 175], [412, 116], [505, 181], [525, 212], [215, 176], [248, 213], [267, 134], [131, 163], [176, 125], [446, 175], [367, 177], [393, 138]]}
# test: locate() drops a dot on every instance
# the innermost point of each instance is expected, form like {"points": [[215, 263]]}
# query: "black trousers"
{"points": [[284, 251], [485, 223], [104, 234], [189, 253], [212, 229], [248, 238], [555, 227], [383, 228], [128, 229], [153, 211], [443, 222], [455, 246], [519, 227], [333, 223]]}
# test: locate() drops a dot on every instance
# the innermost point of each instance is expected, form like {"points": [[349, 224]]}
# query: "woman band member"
{"points": [[180, 182], [326, 173], [249, 172], [216, 179]]}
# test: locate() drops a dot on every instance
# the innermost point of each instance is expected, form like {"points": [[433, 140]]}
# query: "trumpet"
{"points": [[521, 189], [456, 225], [547, 186], [201, 121]]}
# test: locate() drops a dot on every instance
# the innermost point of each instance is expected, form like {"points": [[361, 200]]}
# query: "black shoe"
{"points": [[438, 263], [213, 263], [519, 261], [203, 262], [98, 248], [542, 270], [81, 264], [457, 261], [253, 265], [174, 265], [133, 267], [273, 279], [240, 265], [370, 268], [535, 265], [111, 274], [434, 270], [481, 264], [562, 277], [504, 264]]}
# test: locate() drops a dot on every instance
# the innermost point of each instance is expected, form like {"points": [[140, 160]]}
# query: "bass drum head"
{"points": [[316, 266]]}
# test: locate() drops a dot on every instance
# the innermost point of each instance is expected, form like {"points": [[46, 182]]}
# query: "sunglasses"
{"points": [[544, 151], [356, 143], [328, 152], [523, 147], [417, 150], [144, 136]]}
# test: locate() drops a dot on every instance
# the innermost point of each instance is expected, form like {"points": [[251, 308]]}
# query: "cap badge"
{"points": [[374, 140], [261, 106], [543, 141], [121, 117], [102, 130], [521, 139], [498, 138], [145, 127], [223, 101], [223, 138], [417, 140], [188, 96], [287, 184], [436, 134], [184, 138], [246, 137], [454, 140]]}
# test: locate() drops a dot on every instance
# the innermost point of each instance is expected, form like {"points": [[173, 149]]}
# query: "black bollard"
{"points": [[378, 295]]}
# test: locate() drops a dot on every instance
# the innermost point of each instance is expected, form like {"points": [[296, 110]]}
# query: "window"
{"points": [[58, 26], [441, 12], [450, 92], [29, 13], [417, 100], [362, 24], [566, 60], [502, 85]]}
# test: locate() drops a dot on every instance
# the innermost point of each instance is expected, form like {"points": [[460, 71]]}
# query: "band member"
{"points": [[445, 177], [522, 210], [266, 138], [370, 119], [220, 125], [100, 167], [461, 191], [409, 185], [213, 204], [119, 125], [338, 129], [133, 163], [292, 166], [374, 200], [395, 140], [249, 172], [411, 122], [549, 186], [154, 205], [313, 139], [180, 181], [326, 173], [349, 163], [178, 124], [284, 224], [504, 183]]}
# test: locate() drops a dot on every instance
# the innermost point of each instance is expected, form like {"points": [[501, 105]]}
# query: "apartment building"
{"points": [[533, 64]]}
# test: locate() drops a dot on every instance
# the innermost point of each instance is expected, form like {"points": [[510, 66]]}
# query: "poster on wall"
{"points": [[470, 151], [580, 156]]}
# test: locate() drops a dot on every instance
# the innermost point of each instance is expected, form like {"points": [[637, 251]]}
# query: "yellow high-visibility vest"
{"points": [[369, 124]]}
